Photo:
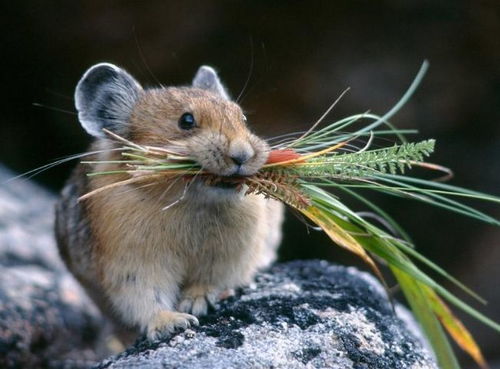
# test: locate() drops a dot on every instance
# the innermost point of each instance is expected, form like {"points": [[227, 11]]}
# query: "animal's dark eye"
{"points": [[187, 121]]}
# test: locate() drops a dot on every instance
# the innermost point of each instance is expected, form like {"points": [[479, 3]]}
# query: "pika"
{"points": [[153, 268]]}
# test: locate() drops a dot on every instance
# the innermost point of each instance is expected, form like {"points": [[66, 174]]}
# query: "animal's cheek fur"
{"points": [[210, 152], [215, 161], [261, 149]]}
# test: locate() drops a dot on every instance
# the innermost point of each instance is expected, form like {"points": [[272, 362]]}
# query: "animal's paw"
{"points": [[196, 300], [167, 322]]}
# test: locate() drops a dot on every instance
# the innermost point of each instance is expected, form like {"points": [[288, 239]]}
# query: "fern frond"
{"points": [[366, 164]]}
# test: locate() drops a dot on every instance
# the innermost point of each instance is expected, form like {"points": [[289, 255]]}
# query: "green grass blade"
{"points": [[436, 199], [448, 189], [411, 251], [392, 222], [428, 321]]}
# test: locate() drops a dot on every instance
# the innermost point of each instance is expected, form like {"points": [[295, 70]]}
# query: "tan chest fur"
{"points": [[207, 242]]}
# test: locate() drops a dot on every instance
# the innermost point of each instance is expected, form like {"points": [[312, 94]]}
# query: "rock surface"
{"points": [[45, 318], [303, 314], [26, 222]]}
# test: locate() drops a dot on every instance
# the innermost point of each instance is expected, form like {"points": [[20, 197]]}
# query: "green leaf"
{"points": [[428, 321]]}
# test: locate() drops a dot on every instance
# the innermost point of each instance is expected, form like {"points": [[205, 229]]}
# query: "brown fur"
{"points": [[148, 267]]}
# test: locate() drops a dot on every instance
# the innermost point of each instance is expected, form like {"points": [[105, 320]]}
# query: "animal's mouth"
{"points": [[225, 182], [226, 185]]}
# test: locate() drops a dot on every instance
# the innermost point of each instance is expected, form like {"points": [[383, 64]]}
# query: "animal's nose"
{"points": [[240, 152], [240, 159]]}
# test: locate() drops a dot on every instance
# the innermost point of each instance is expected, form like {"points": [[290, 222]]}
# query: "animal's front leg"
{"points": [[150, 304], [167, 322]]}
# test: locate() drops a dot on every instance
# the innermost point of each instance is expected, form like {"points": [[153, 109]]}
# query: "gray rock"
{"points": [[26, 222], [46, 320], [303, 314]]}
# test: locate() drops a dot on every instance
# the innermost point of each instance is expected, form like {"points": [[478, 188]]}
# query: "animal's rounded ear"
{"points": [[207, 79], [105, 97]]}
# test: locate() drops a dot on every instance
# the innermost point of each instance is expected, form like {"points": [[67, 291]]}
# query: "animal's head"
{"points": [[199, 120]]}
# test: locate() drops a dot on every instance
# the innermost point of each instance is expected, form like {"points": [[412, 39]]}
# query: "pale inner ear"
{"points": [[105, 98], [207, 79]]}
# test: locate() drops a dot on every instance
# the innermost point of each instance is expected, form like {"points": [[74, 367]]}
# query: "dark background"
{"points": [[303, 55]]}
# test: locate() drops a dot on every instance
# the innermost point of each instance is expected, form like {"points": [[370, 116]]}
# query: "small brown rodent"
{"points": [[147, 267]]}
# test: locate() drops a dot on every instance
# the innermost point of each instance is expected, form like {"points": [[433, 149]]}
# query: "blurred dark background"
{"points": [[302, 55]]}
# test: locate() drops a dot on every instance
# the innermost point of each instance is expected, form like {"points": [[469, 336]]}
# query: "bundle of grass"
{"points": [[299, 169]]}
